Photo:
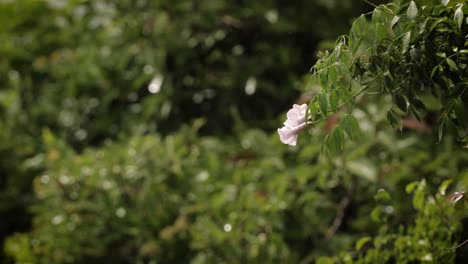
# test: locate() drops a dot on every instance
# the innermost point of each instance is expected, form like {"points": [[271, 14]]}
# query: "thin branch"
{"points": [[446, 249], [342, 207], [370, 3]]}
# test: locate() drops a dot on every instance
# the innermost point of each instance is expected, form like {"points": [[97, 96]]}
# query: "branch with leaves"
{"points": [[416, 52]]}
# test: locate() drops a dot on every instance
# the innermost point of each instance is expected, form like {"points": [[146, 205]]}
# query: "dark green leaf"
{"points": [[393, 119], [337, 139], [416, 113], [434, 70], [323, 104], [334, 100], [324, 80], [350, 126], [418, 103], [388, 81], [401, 102], [440, 129]]}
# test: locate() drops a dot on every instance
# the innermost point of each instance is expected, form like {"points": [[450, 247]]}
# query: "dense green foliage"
{"points": [[414, 51], [145, 129], [414, 54]]}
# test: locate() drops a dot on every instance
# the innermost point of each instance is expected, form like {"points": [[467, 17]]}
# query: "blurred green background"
{"points": [[140, 131]]}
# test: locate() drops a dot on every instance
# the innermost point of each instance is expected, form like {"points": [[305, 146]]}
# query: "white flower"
{"points": [[295, 123]]}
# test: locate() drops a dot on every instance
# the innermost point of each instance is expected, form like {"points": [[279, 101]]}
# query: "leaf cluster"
{"points": [[416, 52]]}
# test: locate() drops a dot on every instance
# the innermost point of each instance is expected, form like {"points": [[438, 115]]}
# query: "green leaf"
{"points": [[419, 196], [325, 260], [452, 64], [381, 31], [418, 104], [410, 187], [362, 241], [444, 185], [48, 137], [395, 21], [324, 79], [313, 108], [393, 119], [382, 196], [440, 130], [405, 42], [438, 67], [334, 100], [337, 140], [331, 75], [359, 25], [363, 168], [323, 104], [350, 126], [388, 80], [412, 11], [458, 17], [325, 144], [375, 214], [344, 95], [401, 102]]}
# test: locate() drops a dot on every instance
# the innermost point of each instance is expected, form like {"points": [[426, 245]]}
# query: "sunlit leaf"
{"points": [[362, 241], [382, 196], [458, 17], [412, 11], [411, 186], [452, 64], [395, 20], [406, 41]]}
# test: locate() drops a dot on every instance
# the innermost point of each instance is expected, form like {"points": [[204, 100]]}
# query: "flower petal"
{"points": [[288, 135], [296, 115]]}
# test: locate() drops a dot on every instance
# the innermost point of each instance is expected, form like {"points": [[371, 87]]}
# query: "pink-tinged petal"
{"points": [[288, 135], [296, 115]]}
